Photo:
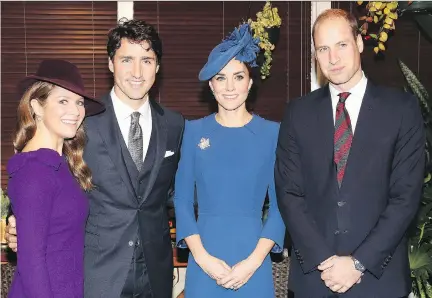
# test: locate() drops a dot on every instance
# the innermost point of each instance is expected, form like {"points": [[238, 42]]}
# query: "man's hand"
{"points": [[240, 274], [339, 273], [327, 262], [11, 233]]}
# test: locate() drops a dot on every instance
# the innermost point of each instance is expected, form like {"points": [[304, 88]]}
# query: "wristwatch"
{"points": [[358, 266]]}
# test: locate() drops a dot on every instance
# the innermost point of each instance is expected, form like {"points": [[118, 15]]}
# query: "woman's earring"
{"points": [[38, 118]]}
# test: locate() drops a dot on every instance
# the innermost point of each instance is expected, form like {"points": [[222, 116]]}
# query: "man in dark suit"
{"points": [[349, 174], [132, 150]]}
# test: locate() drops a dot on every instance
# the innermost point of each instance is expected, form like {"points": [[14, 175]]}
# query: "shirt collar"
{"points": [[123, 111], [358, 90]]}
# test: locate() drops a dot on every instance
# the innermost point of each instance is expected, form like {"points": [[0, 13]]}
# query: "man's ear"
{"points": [[360, 44], [110, 65]]}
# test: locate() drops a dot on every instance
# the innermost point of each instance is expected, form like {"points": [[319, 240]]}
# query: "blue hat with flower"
{"points": [[239, 45]]}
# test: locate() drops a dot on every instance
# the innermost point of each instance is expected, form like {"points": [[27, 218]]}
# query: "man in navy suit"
{"points": [[349, 175]]}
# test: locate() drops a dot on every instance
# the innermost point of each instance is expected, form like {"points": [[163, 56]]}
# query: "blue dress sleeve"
{"points": [[274, 227], [32, 190], [186, 224]]}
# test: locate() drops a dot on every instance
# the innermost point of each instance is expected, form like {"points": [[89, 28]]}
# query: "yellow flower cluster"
{"points": [[383, 13], [267, 18]]}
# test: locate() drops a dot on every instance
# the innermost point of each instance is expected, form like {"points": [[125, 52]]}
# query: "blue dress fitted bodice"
{"points": [[232, 169]]}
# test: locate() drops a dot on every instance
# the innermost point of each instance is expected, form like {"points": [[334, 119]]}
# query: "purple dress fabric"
{"points": [[51, 210]]}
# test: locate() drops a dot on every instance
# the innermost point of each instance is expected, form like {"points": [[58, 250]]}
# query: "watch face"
{"points": [[358, 266]]}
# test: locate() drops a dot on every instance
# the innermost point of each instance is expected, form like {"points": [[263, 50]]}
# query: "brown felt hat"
{"points": [[66, 75]]}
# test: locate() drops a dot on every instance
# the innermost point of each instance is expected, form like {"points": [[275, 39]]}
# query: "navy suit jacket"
{"points": [[124, 204], [369, 215]]}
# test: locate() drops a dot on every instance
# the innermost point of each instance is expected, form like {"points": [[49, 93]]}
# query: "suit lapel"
{"points": [[149, 159], [111, 135], [368, 120], [161, 140], [325, 130]]}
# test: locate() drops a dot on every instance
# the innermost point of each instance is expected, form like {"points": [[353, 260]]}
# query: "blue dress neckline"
{"points": [[254, 116]]}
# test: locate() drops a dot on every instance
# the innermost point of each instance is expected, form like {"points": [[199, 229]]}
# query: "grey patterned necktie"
{"points": [[135, 140]]}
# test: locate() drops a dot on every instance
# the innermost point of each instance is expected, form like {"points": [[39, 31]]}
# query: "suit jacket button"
{"points": [[131, 243], [337, 232], [341, 203], [139, 197]]}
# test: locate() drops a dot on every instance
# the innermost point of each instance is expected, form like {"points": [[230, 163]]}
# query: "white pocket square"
{"points": [[168, 153]]}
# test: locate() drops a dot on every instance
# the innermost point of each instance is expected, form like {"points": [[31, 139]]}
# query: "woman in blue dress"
{"points": [[229, 157]]}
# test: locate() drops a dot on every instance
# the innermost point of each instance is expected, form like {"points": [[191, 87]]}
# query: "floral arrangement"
{"points": [[266, 19], [383, 14]]}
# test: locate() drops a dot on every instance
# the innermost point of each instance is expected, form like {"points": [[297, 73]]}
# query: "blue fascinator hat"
{"points": [[239, 45]]}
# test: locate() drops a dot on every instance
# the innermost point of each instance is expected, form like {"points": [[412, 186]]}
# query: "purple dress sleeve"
{"points": [[32, 190]]}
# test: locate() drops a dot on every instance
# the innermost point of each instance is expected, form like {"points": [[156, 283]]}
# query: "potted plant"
{"points": [[267, 29], [384, 15], [380, 18], [420, 241], [3, 214]]}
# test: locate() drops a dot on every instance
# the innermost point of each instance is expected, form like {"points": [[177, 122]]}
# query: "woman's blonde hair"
{"points": [[73, 149]]}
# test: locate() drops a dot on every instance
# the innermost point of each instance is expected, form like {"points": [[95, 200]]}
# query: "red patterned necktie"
{"points": [[343, 137]]}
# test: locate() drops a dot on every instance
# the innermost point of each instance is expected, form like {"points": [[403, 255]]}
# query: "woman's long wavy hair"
{"points": [[26, 128]]}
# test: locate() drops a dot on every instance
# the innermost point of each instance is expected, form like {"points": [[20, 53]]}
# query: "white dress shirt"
{"points": [[353, 102], [123, 114]]}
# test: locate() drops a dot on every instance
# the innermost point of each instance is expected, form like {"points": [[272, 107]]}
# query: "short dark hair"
{"points": [[134, 31]]}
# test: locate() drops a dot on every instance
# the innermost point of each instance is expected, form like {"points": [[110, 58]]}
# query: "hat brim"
{"points": [[212, 67], [92, 106]]}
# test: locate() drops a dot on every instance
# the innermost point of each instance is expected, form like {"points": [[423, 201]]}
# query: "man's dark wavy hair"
{"points": [[134, 31]]}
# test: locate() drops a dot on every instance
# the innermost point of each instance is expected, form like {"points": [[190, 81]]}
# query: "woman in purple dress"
{"points": [[47, 180]]}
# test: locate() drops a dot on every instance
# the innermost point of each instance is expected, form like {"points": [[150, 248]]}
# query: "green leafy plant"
{"points": [[380, 18], [382, 13], [420, 241], [4, 204], [267, 19]]}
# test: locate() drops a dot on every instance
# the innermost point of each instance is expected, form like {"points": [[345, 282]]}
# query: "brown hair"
{"points": [[334, 13], [26, 128]]}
